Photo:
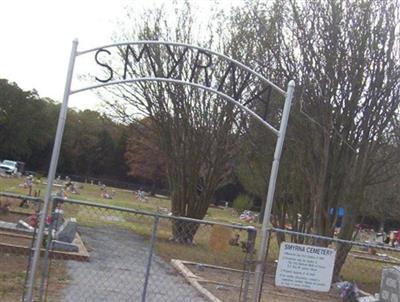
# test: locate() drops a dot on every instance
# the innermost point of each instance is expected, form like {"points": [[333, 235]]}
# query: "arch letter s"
{"points": [[104, 65]]}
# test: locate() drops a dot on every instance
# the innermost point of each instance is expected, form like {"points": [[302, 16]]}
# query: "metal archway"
{"points": [[261, 255]]}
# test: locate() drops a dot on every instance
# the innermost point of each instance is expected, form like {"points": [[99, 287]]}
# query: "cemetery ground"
{"points": [[365, 273], [13, 264]]}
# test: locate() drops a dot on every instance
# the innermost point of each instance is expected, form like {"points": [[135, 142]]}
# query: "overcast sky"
{"points": [[36, 37]]}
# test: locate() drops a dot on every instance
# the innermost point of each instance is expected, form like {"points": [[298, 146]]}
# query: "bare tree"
{"points": [[383, 195], [196, 131], [345, 60]]}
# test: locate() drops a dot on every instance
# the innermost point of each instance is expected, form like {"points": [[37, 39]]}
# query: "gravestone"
{"points": [[22, 224], [390, 284], [58, 217], [15, 227], [67, 231]]}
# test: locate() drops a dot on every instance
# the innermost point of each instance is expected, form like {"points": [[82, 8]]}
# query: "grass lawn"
{"points": [[365, 273], [123, 198]]}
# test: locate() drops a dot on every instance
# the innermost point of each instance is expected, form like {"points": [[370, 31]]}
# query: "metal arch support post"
{"points": [[52, 172], [265, 233]]}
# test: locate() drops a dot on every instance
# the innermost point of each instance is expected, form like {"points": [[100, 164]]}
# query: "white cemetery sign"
{"points": [[305, 267]]}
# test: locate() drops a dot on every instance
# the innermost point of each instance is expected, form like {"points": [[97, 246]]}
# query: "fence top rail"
{"points": [[20, 196], [147, 213], [356, 243]]}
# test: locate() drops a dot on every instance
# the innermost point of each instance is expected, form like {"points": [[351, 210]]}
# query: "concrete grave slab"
{"points": [[65, 246]]}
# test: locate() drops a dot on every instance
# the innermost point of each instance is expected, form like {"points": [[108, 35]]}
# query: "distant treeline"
{"points": [[93, 144]]}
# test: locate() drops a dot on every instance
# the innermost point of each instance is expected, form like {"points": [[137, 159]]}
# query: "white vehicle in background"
{"points": [[12, 167]]}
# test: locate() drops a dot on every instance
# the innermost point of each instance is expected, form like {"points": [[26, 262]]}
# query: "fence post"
{"points": [[46, 266], [251, 240], [263, 249], [28, 268], [51, 175], [151, 249]]}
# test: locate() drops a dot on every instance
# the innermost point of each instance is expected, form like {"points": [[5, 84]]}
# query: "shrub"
{"points": [[242, 202]]}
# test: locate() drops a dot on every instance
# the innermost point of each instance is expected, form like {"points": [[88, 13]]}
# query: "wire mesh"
{"points": [[120, 254], [16, 242], [128, 255]]}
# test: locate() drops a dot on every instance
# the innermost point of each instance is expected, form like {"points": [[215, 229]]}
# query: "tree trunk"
{"points": [[184, 231], [343, 249], [153, 189], [341, 255]]}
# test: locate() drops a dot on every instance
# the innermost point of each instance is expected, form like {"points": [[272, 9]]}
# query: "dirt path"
{"points": [[116, 271]]}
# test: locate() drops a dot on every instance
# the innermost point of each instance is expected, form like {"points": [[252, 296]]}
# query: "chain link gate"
{"points": [[130, 255]]}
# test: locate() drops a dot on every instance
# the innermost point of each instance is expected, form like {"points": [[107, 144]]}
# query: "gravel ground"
{"points": [[117, 268]]}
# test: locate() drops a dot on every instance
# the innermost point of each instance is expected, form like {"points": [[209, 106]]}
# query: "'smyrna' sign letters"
{"points": [[183, 63]]}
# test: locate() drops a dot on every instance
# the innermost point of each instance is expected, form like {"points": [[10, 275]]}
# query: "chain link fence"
{"points": [[16, 242], [96, 252]]}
